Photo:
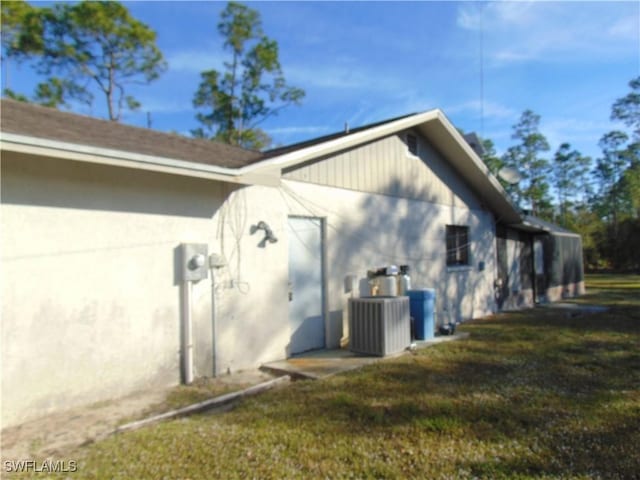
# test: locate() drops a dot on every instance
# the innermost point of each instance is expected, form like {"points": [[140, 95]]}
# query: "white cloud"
{"points": [[511, 56], [575, 131], [469, 17], [476, 16], [341, 73], [326, 76], [195, 61], [298, 130], [626, 28], [161, 105], [551, 31], [393, 103], [488, 108]]}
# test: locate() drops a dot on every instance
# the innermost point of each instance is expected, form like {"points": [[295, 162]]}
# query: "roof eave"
{"points": [[91, 154], [342, 143], [534, 225], [437, 128], [446, 138]]}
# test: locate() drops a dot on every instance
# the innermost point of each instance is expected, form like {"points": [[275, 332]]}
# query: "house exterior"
{"points": [[95, 218]]}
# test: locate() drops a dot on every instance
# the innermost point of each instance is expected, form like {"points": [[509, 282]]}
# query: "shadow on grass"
{"points": [[529, 394], [563, 388]]}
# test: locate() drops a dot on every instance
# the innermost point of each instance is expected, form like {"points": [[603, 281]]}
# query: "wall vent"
{"points": [[379, 325]]}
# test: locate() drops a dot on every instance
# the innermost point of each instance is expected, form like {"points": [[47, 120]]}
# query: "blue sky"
{"points": [[482, 63]]}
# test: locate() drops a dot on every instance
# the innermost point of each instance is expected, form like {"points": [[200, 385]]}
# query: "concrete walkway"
{"points": [[319, 364]]}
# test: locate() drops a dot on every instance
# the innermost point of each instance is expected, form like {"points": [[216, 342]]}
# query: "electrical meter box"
{"points": [[195, 266]]}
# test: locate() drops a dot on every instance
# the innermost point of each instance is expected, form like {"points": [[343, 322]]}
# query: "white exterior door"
{"points": [[306, 316]]}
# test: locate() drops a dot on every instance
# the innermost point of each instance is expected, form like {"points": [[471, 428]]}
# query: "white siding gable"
{"points": [[385, 166]]}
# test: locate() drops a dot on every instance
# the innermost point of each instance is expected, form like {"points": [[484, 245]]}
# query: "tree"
{"points": [[617, 173], [631, 178], [90, 46], [627, 108], [490, 157], [609, 172], [615, 200], [21, 37], [570, 170], [533, 190], [495, 163], [251, 89]]}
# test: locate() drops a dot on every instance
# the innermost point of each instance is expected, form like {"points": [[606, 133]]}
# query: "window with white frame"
{"points": [[457, 245]]}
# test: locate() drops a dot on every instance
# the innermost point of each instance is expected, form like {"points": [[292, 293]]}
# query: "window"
{"points": [[412, 144], [457, 245]]}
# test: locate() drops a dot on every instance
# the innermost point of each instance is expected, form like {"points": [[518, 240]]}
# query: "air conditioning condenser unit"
{"points": [[379, 325]]}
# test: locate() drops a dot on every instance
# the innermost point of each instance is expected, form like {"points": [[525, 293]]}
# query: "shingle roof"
{"points": [[45, 123], [36, 121], [332, 136]]}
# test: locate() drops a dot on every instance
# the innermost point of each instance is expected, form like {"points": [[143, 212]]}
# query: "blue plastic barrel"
{"points": [[421, 308]]}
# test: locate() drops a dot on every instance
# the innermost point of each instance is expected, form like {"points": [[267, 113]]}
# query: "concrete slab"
{"points": [[319, 364]]}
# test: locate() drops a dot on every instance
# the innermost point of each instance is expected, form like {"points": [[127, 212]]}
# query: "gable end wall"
{"points": [[386, 167]]}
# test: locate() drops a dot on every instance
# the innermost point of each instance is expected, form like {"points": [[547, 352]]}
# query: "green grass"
{"points": [[535, 394], [616, 290], [201, 389], [180, 396]]}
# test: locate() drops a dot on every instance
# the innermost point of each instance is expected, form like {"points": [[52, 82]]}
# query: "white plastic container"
{"points": [[404, 284], [388, 286]]}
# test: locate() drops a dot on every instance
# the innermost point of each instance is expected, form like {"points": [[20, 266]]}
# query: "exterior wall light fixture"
{"points": [[268, 233]]}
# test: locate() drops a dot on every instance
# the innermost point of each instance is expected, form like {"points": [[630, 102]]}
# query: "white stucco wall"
{"points": [[90, 302], [90, 298], [251, 307], [363, 231], [367, 231]]}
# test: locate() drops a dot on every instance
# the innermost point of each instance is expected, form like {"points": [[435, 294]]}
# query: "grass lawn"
{"points": [[536, 394]]}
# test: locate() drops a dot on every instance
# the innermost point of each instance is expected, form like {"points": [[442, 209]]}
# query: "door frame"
{"points": [[324, 301]]}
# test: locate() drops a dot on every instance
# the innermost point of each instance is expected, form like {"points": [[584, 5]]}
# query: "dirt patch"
{"points": [[53, 435], [50, 435]]}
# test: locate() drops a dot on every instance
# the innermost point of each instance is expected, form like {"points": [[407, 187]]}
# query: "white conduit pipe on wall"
{"points": [[187, 328], [193, 257]]}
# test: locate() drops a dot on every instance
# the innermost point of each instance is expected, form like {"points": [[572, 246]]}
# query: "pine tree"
{"points": [[87, 48], [533, 191], [251, 89], [570, 175]]}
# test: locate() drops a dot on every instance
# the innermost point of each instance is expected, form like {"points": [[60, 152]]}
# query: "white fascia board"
{"points": [[85, 153], [477, 161], [471, 154], [534, 228], [355, 139], [348, 141], [525, 226]]}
